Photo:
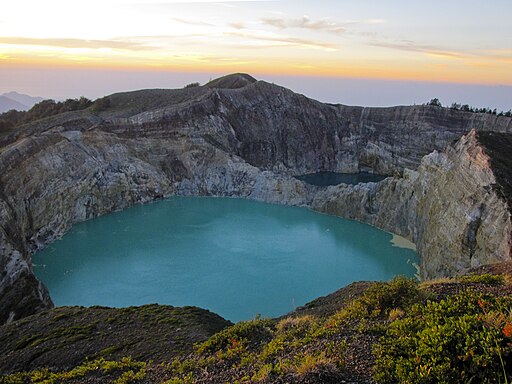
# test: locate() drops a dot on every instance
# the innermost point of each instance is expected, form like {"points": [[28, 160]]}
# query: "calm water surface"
{"points": [[235, 257]]}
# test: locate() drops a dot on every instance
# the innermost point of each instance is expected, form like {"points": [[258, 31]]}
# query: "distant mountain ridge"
{"points": [[6, 104], [18, 101]]}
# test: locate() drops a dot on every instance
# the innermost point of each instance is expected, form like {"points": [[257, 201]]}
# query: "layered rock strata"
{"points": [[453, 207], [236, 137]]}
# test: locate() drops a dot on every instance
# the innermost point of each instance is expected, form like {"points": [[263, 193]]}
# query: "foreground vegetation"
{"points": [[447, 331]]}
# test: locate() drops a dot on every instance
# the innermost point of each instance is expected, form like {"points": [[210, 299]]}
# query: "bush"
{"points": [[244, 332], [435, 102], [266, 351], [45, 108], [10, 119], [128, 370], [461, 339], [101, 104], [399, 293], [486, 278]]}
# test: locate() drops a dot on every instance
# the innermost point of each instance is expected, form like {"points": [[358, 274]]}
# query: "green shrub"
{"points": [[266, 351], [461, 339], [244, 332], [400, 292], [101, 104], [486, 278], [131, 371], [291, 333], [383, 297], [41, 110]]}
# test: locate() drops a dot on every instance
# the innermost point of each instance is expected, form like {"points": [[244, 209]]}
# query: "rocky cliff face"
{"points": [[452, 207], [233, 137], [60, 178], [462, 221]]}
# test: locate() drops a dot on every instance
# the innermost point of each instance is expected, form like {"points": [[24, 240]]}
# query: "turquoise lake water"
{"points": [[235, 257]]}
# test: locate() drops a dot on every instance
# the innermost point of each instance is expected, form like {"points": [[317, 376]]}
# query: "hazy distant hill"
{"points": [[18, 101], [6, 104]]}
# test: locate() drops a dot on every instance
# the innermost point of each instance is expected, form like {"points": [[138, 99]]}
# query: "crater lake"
{"points": [[235, 257]]}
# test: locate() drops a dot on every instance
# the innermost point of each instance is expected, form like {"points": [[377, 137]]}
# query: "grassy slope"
{"points": [[63, 337], [332, 339]]}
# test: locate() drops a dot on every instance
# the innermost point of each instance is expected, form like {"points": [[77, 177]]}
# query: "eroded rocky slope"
{"points": [[453, 207], [240, 137]]}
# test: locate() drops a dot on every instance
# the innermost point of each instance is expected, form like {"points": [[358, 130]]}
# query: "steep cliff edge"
{"points": [[233, 137], [454, 207], [462, 219]]}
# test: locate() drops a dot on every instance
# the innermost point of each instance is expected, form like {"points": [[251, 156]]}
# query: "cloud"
{"points": [[237, 25], [192, 22], [305, 23], [285, 40], [411, 46], [503, 55], [498, 54], [322, 25], [74, 43], [152, 2]]}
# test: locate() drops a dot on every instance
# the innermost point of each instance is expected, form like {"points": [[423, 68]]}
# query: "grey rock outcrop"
{"points": [[452, 208], [233, 137], [462, 220]]}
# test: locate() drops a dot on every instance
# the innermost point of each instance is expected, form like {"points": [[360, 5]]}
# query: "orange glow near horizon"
{"points": [[477, 73], [392, 40]]}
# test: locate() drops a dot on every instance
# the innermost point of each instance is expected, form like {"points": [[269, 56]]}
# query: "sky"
{"points": [[366, 52]]}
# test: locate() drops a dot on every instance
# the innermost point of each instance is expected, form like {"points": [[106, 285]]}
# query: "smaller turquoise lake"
{"points": [[235, 257]]}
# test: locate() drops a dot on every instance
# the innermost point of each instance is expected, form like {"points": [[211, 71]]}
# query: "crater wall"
{"points": [[451, 207], [248, 141]]}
